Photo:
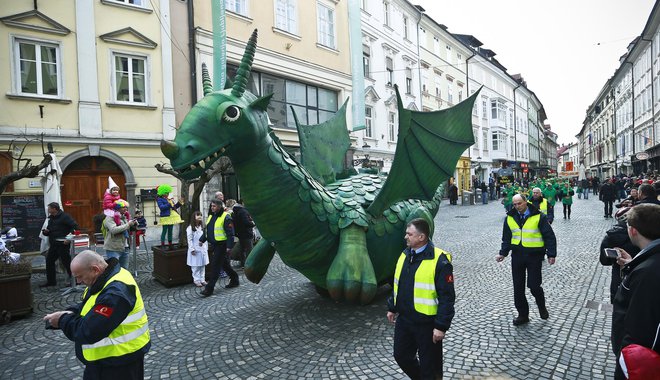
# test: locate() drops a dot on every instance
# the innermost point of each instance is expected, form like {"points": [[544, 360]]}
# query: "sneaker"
{"points": [[520, 320], [231, 285], [543, 312], [223, 274]]}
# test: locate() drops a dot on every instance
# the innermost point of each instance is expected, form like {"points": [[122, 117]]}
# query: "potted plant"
{"points": [[15, 287]]}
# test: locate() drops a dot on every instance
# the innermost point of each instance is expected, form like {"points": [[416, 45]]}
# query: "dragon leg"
{"points": [[351, 275], [258, 261]]}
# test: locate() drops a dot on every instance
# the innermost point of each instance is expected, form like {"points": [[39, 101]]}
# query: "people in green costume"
{"points": [[566, 195]]}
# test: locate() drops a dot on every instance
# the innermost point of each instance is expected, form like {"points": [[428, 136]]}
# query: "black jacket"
{"points": [[636, 316], [243, 223], [616, 237], [549, 239], [444, 287], [607, 192], [60, 225]]}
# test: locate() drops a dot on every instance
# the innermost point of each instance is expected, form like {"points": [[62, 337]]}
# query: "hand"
{"points": [[438, 335], [193, 253], [499, 258], [551, 260], [391, 317], [624, 257], [67, 242], [182, 200], [54, 318]]}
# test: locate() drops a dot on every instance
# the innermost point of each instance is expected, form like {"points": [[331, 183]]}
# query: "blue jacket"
{"points": [[549, 239], [165, 206], [444, 287], [118, 297]]}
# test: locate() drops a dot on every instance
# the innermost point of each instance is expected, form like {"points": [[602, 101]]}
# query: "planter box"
{"points": [[170, 268], [16, 294]]}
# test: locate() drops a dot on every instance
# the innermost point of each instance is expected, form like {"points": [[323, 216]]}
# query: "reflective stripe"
{"points": [[529, 235], [118, 340], [426, 301], [529, 230], [425, 286], [134, 317], [534, 239]]}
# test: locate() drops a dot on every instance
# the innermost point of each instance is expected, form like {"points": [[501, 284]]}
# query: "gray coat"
{"points": [[115, 240]]}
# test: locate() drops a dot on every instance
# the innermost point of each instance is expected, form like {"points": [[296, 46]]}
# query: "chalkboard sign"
{"points": [[25, 212]]}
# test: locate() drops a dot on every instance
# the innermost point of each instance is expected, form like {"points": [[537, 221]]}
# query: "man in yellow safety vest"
{"points": [[529, 236], [422, 304], [109, 327]]}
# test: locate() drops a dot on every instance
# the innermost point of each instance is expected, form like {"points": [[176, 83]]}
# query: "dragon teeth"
{"points": [[207, 159], [222, 150], [192, 167], [202, 164]]}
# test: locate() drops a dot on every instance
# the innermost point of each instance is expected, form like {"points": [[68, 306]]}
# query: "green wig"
{"points": [[163, 190]]}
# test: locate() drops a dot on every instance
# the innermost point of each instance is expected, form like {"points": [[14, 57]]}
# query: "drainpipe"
{"points": [[419, 57], [652, 95], [191, 53], [616, 151], [515, 121]]}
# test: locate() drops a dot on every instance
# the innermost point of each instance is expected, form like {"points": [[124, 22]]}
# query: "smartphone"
{"points": [[611, 253]]}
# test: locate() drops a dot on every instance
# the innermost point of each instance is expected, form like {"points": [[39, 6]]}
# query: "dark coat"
{"points": [[616, 237], [549, 239], [243, 223], [60, 225], [607, 192]]}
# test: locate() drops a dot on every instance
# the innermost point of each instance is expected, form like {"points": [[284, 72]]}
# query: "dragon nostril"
{"points": [[169, 148]]}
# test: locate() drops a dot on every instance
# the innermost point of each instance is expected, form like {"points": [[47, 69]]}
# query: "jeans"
{"points": [[586, 193], [121, 256]]}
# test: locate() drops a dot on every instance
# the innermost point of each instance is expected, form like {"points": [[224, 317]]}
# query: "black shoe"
{"points": [[45, 285], [231, 285], [205, 293], [543, 312], [520, 320]]}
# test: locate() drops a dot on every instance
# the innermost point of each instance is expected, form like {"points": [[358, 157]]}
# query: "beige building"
{"points": [[95, 78]]}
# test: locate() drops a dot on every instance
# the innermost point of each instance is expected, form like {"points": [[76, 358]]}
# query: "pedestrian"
{"points": [[244, 228], [168, 215], [616, 237], [109, 327], [60, 224], [566, 194], [141, 227], [542, 204], [220, 236], [114, 239], [529, 237], [422, 303], [484, 193], [453, 193], [636, 315], [607, 196], [584, 184], [198, 254]]}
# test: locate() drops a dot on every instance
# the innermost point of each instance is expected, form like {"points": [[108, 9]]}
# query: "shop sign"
{"points": [[642, 156]]}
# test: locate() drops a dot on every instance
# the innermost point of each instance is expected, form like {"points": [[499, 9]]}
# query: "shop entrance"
{"points": [[83, 184]]}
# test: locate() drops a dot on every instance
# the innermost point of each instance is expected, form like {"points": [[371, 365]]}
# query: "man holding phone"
{"points": [[616, 237]]}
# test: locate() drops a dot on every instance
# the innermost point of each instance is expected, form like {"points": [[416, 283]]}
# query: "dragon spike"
{"points": [[206, 80], [243, 72]]}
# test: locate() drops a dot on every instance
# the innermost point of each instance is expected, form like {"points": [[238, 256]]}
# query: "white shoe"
{"points": [[198, 284]]}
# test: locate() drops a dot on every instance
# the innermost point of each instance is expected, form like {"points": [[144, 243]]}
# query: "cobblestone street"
{"points": [[281, 328]]}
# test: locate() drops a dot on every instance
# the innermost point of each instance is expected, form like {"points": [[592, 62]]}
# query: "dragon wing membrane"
{"points": [[428, 146]]}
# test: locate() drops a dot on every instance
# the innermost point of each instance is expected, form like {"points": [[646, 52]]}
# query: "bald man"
{"points": [[529, 236], [109, 327]]}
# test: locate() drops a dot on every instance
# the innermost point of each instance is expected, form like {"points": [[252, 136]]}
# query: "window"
{"points": [[368, 132], [450, 93], [408, 80], [460, 95], [286, 16], [436, 46], [499, 141], [130, 79], [386, 8], [448, 48], [326, 22], [484, 109], [405, 27], [363, 5], [389, 67], [237, 6], [391, 126], [38, 68], [133, 2], [366, 61]]}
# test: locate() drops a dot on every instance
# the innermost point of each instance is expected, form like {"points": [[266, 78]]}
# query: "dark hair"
{"points": [[645, 218], [422, 226], [218, 203], [193, 219], [646, 191], [54, 205]]}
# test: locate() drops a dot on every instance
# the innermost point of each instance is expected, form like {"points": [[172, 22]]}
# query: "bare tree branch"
{"points": [[24, 167]]}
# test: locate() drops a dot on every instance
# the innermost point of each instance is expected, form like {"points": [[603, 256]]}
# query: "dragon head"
{"points": [[230, 122]]}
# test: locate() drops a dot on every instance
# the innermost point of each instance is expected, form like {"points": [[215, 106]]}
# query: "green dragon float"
{"points": [[342, 231]]}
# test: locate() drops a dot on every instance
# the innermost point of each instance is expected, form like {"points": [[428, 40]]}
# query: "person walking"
{"points": [[244, 227], [109, 327], [584, 184], [453, 193], [607, 196], [636, 315], [529, 236], [422, 303], [220, 236], [542, 204], [198, 254], [566, 194], [60, 224]]}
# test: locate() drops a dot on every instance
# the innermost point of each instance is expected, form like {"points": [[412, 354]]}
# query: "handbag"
{"points": [[639, 362]]}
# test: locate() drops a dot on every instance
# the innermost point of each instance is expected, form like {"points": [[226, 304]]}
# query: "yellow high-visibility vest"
{"points": [[130, 336], [543, 206], [424, 294], [530, 234], [219, 227]]}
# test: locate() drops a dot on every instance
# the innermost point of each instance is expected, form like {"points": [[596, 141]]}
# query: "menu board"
{"points": [[26, 212]]}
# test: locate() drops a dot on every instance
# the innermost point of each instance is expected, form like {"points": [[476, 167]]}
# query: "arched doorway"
{"points": [[83, 184]]}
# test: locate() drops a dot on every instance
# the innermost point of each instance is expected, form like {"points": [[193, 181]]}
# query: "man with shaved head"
{"points": [[109, 327], [529, 236]]}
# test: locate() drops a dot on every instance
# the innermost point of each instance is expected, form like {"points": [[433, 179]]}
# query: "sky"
{"points": [[566, 50]]}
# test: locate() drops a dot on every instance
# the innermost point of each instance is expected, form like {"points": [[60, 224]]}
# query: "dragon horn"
{"points": [[206, 80], [243, 72]]}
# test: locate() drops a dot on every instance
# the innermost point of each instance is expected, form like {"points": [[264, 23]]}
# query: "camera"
{"points": [[611, 253]]}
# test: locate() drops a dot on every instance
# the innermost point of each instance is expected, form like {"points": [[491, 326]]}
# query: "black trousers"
{"points": [[608, 207], [526, 266], [246, 246], [219, 263], [57, 250], [413, 340], [131, 371]]}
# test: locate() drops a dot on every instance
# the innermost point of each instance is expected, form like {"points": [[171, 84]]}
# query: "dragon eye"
{"points": [[232, 113]]}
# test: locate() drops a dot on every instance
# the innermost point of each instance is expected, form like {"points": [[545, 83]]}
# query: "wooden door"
{"points": [[83, 185]]}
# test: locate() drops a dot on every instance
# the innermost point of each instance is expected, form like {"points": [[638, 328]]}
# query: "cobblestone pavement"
{"points": [[281, 328]]}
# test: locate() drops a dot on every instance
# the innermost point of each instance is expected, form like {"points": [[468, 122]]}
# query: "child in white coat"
{"points": [[198, 254]]}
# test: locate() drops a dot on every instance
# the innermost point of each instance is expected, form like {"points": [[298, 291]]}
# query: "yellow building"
{"points": [[95, 78]]}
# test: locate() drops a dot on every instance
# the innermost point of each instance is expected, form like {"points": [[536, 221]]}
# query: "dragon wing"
{"points": [[323, 146], [428, 147]]}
